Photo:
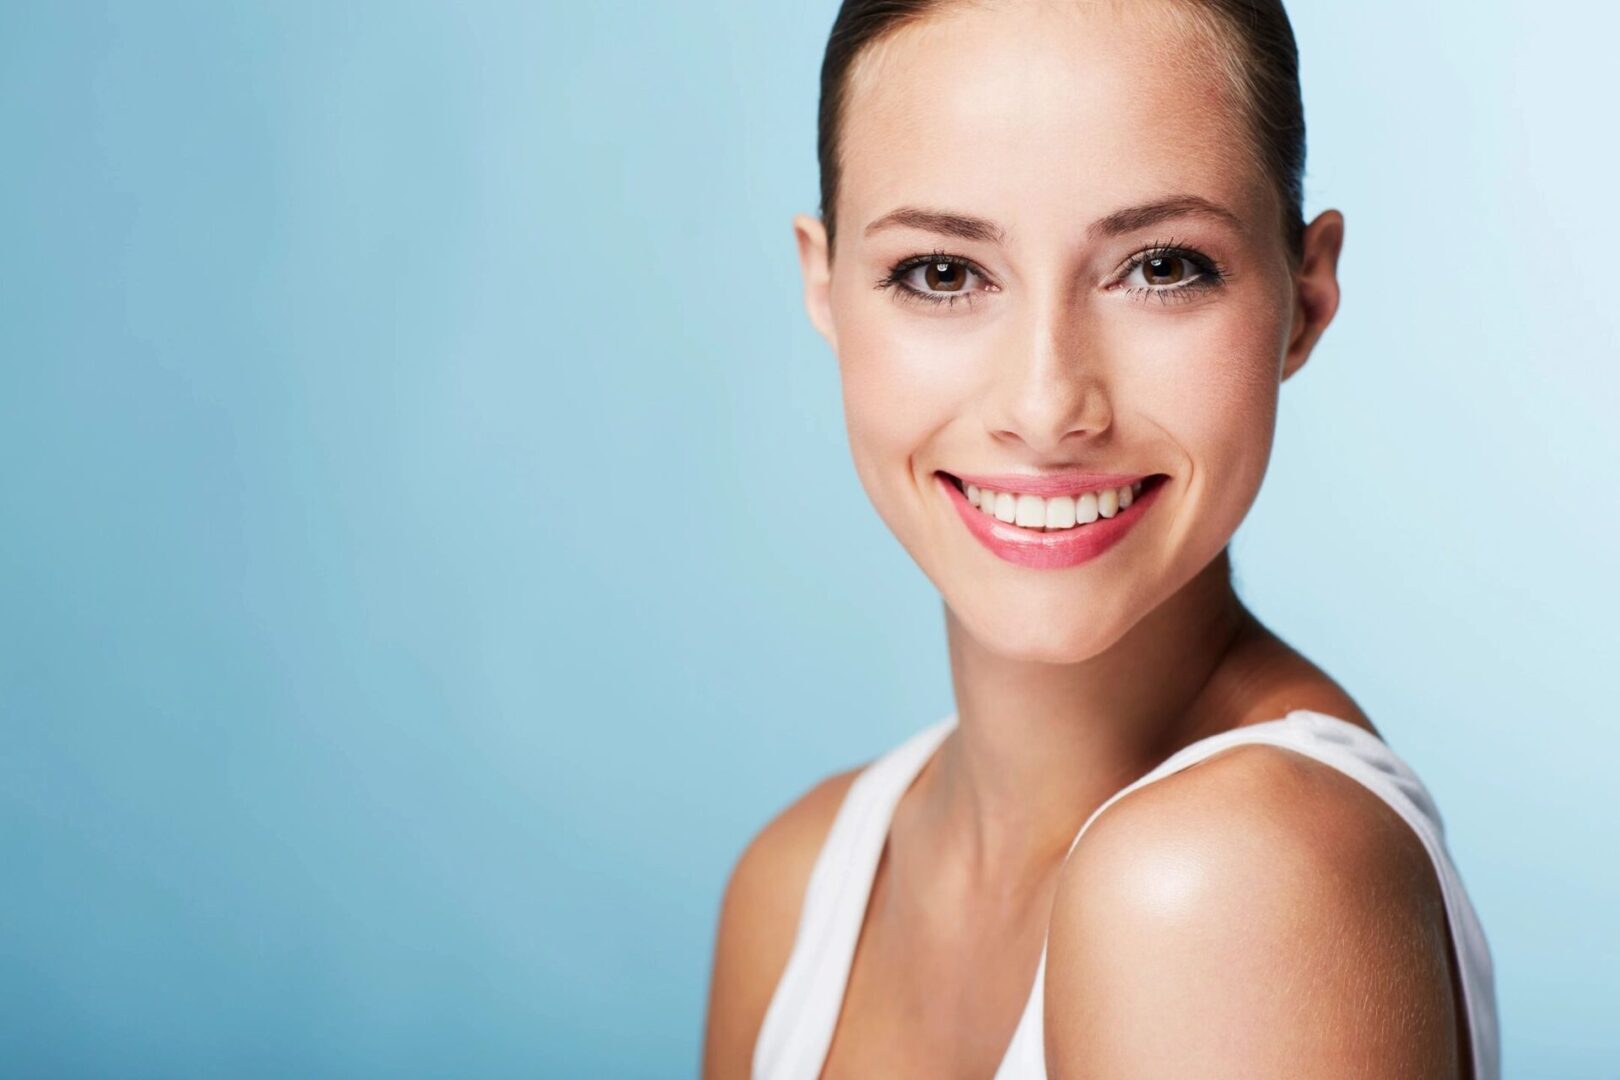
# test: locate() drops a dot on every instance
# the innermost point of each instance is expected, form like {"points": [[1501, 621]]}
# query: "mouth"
{"points": [[1073, 522]]}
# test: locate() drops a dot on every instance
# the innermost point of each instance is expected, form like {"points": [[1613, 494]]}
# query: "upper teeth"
{"points": [[1058, 512]]}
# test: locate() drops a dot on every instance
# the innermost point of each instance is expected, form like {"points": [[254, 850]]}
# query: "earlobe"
{"points": [[811, 235], [1316, 292]]}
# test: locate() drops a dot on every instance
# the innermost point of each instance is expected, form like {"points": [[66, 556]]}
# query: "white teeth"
{"points": [[1058, 512], [1108, 502], [1030, 511]]}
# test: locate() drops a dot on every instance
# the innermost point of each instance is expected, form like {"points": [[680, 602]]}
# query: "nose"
{"points": [[1048, 390]]}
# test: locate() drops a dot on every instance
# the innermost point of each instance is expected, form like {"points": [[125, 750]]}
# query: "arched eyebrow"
{"points": [[1128, 219], [1140, 217], [944, 222]]}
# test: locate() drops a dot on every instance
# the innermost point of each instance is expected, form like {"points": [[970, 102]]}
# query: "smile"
{"points": [[1058, 528]]}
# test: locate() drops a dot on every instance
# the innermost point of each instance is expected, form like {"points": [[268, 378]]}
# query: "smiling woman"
{"points": [[1063, 267]]}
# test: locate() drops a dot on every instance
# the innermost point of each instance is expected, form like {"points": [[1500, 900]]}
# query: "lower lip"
{"points": [[1049, 550]]}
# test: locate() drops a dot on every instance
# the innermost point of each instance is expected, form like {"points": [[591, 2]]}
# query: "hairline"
{"points": [[1224, 45]]}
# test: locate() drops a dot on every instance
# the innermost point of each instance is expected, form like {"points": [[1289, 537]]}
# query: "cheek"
{"points": [[900, 384], [1211, 383]]}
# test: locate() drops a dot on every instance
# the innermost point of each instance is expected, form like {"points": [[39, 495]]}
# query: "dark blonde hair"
{"points": [[1264, 63]]}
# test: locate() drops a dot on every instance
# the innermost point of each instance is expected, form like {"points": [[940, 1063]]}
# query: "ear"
{"points": [[811, 234], [1316, 288]]}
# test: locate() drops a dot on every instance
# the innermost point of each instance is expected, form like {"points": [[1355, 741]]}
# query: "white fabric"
{"points": [[799, 1021]]}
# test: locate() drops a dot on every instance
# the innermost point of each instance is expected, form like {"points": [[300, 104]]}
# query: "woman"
{"points": [[1062, 264]]}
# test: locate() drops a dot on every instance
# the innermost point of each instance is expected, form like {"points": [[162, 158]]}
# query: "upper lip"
{"points": [[1050, 485]]}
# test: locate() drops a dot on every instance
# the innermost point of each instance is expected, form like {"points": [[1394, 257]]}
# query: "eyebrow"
{"points": [[944, 222], [968, 227]]}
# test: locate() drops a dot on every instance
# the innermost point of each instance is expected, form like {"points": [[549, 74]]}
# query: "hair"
{"points": [[1261, 58]]}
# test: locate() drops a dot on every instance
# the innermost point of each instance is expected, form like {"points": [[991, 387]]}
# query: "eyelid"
{"points": [[894, 279], [1211, 273], [1174, 247], [906, 266]]}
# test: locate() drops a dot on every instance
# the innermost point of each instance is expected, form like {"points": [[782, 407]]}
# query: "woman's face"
{"points": [[1122, 304]]}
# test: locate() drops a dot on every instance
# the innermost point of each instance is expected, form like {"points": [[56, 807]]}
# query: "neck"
{"points": [[1039, 746]]}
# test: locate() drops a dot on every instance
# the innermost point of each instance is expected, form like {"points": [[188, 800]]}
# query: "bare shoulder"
{"points": [[759, 915], [1274, 679], [1251, 913]]}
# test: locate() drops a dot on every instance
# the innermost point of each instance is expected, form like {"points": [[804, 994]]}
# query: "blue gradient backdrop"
{"points": [[346, 729]]}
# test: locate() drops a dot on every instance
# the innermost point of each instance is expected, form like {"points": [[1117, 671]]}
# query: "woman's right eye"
{"points": [[934, 279]]}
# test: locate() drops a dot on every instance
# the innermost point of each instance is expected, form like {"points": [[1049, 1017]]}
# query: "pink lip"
{"points": [[1048, 550], [1075, 483]]}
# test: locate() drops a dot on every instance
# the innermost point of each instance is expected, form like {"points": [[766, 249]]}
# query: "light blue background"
{"points": [[429, 549]]}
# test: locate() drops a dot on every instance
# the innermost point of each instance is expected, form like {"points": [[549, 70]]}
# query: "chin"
{"points": [[1015, 634]]}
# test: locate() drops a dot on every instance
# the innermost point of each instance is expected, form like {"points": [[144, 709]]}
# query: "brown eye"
{"points": [[1167, 272], [936, 278], [944, 276], [1164, 269]]}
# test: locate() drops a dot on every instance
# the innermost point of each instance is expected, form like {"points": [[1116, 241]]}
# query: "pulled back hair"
{"points": [[1261, 58]]}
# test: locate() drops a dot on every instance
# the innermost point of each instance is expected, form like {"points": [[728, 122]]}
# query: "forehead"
{"points": [[1044, 115]]}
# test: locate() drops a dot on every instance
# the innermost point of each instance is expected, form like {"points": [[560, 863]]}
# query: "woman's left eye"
{"points": [[1171, 273]]}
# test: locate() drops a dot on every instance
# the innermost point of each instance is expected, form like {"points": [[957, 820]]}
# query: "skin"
{"points": [[1257, 915]]}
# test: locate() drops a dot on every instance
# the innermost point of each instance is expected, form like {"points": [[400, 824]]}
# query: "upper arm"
{"points": [[1259, 915], [759, 915]]}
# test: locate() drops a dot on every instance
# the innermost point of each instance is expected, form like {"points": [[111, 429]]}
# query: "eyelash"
{"points": [[895, 279], [1211, 274]]}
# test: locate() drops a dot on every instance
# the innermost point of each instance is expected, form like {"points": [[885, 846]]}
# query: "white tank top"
{"points": [[798, 1025]]}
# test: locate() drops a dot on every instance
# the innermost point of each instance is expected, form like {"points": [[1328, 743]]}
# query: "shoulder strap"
{"points": [[1345, 746], [799, 1021], [1366, 758]]}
